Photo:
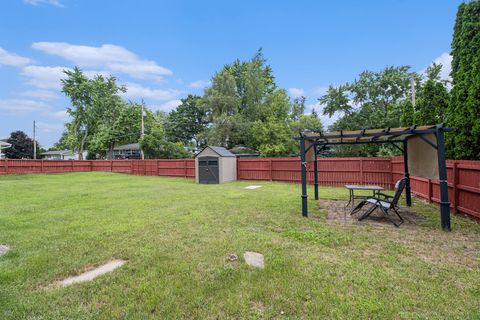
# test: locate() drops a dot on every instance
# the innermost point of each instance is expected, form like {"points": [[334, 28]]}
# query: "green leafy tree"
{"points": [[22, 146], [155, 146], [464, 109], [78, 88], [433, 98], [336, 100], [106, 109], [373, 100], [273, 138], [407, 118], [188, 122]]}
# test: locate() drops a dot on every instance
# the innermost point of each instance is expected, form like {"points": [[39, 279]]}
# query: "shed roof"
{"points": [[221, 151]]}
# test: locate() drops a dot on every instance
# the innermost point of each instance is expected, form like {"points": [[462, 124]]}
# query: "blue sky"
{"points": [[164, 50]]}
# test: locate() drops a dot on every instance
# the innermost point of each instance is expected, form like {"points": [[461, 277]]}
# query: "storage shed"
{"points": [[215, 165]]}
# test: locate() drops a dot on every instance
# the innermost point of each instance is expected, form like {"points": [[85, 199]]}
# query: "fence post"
{"points": [[391, 173], [429, 191], [455, 190], [238, 169], [6, 166], [111, 165], [270, 169], [185, 168], [361, 171], [41, 166]]}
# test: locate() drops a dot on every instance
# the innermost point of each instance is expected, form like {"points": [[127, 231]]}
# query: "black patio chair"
{"points": [[386, 203]]}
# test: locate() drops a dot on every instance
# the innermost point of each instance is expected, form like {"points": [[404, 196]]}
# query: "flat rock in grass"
{"points": [[92, 274], [3, 249], [254, 259], [252, 187]]}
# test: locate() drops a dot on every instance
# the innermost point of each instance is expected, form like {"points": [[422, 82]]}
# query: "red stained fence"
{"points": [[331, 171], [463, 175], [176, 168], [463, 178]]}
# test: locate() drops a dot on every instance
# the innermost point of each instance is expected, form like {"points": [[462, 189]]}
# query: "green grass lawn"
{"points": [[176, 236]]}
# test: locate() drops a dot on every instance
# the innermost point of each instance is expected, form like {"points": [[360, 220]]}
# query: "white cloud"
{"points": [[296, 92], [199, 84], [12, 59], [135, 90], [49, 127], [111, 57], [44, 77], [41, 94], [446, 60], [23, 105], [167, 106], [62, 115], [55, 3], [320, 91]]}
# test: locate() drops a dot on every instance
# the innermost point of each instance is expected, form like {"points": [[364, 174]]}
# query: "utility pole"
{"points": [[34, 142], [412, 85], [143, 128]]}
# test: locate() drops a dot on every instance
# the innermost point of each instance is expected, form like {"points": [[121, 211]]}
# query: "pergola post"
{"points": [[442, 175], [304, 176], [408, 189], [315, 172]]}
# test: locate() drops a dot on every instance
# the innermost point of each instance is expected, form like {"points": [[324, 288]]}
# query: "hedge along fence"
{"points": [[463, 175]]}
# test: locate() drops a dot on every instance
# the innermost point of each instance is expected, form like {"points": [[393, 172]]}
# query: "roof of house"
{"points": [[221, 151], [59, 152], [131, 146]]}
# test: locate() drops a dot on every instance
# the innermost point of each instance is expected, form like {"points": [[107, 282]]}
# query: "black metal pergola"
{"points": [[317, 141]]}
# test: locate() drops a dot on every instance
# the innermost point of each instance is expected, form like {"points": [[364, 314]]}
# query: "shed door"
{"points": [[208, 170]]}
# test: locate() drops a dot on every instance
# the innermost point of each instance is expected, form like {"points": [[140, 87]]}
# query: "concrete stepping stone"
{"points": [[252, 187], [3, 249], [254, 259], [92, 274]]}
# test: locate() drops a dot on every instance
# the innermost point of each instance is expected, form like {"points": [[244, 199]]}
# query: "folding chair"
{"points": [[386, 204]]}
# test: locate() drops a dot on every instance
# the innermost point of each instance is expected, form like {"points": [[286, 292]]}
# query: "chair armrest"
{"points": [[385, 195]]}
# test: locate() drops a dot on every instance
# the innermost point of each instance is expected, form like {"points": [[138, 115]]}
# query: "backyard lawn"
{"points": [[176, 237]]}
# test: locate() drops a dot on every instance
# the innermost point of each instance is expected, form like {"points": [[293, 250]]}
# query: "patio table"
{"points": [[352, 187]]}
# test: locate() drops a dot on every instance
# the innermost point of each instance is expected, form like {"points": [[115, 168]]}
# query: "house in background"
{"points": [[127, 151], [61, 155], [3, 145]]}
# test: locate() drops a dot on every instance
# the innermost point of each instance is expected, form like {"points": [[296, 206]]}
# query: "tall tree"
{"points": [[22, 146], [373, 100], [188, 122], [464, 109], [78, 88], [106, 109], [155, 145], [433, 98]]}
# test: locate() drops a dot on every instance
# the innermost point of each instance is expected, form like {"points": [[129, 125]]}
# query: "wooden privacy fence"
{"points": [[463, 175], [176, 168]]}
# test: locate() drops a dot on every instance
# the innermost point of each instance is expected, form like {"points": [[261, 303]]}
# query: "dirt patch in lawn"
{"points": [[338, 213]]}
